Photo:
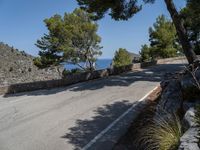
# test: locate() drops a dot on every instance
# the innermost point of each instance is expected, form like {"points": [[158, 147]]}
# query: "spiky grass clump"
{"points": [[163, 133]]}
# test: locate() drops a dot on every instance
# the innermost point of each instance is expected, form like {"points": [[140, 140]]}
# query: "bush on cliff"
{"points": [[121, 58]]}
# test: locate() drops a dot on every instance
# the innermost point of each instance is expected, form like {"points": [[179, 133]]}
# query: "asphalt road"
{"points": [[69, 118]]}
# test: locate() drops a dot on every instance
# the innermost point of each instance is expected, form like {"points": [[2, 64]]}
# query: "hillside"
{"points": [[17, 67]]}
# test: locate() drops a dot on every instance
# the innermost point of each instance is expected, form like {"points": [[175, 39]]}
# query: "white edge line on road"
{"points": [[114, 122]]}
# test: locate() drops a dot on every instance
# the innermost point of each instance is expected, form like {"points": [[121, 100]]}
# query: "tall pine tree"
{"points": [[72, 39], [191, 14], [163, 38]]}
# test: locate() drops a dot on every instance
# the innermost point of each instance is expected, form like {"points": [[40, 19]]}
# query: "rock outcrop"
{"points": [[171, 99], [190, 139], [18, 67], [181, 96]]}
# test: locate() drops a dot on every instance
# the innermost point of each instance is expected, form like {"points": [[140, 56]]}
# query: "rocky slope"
{"points": [[17, 67]]}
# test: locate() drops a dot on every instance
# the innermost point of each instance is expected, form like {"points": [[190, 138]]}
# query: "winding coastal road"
{"points": [[70, 118]]}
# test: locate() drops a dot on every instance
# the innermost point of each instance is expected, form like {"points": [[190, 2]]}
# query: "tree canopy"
{"points": [[125, 9], [145, 53], [72, 39], [163, 38], [122, 58], [191, 14], [118, 9]]}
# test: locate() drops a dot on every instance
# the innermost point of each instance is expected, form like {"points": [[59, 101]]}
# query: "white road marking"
{"points": [[114, 122]]}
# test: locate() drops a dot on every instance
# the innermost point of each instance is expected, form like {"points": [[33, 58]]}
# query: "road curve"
{"points": [[69, 118]]}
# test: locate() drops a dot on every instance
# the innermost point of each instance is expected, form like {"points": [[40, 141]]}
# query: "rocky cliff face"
{"points": [[181, 96], [18, 67]]}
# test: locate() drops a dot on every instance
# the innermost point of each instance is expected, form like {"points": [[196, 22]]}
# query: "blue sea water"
{"points": [[100, 64]]}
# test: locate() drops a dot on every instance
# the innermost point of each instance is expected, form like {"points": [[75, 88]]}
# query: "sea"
{"points": [[100, 64]]}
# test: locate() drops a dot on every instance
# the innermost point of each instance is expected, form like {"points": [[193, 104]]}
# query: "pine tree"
{"points": [[191, 14], [145, 53], [122, 58], [163, 38], [72, 39]]}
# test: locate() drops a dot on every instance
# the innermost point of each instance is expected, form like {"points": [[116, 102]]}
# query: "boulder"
{"points": [[189, 141], [181, 95], [171, 99]]}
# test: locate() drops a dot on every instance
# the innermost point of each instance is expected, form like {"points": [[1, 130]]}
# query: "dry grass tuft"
{"points": [[162, 133]]}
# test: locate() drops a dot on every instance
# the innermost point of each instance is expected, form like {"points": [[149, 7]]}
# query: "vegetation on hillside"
{"points": [[72, 39], [17, 67], [122, 58]]}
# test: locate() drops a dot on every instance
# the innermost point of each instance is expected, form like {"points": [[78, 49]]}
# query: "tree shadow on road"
{"points": [[86, 130], [152, 74]]}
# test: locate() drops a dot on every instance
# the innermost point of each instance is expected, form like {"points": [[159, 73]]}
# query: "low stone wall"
{"points": [[68, 80], [167, 60], [147, 64], [72, 79]]}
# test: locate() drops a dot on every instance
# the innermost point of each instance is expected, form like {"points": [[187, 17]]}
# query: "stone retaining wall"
{"points": [[68, 80], [72, 79], [167, 60]]}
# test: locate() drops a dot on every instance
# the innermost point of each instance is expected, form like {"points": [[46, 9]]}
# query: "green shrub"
{"points": [[121, 58], [160, 134], [76, 70], [11, 69], [37, 61], [66, 72], [73, 71]]}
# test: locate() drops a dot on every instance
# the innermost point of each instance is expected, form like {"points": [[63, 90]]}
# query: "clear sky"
{"points": [[21, 24]]}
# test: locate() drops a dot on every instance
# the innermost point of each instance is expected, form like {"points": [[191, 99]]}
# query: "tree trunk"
{"points": [[181, 31]]}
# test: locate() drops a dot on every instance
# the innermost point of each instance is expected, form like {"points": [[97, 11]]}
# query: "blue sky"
{"points": [[21, 24]]}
